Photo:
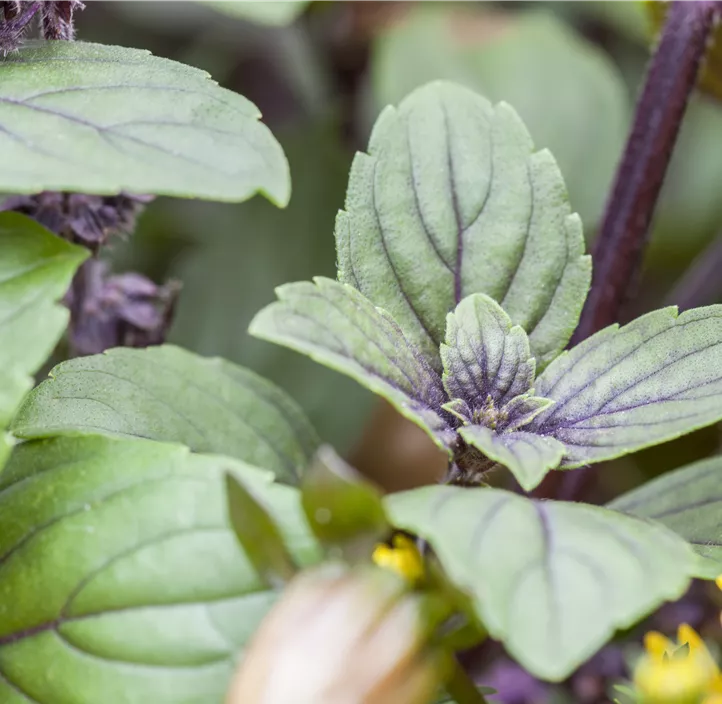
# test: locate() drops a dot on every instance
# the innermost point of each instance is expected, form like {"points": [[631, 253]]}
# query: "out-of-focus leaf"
{"points": [[102, 119], [688, 501], [624, 389], [168, 394], [552, 580], [36, 268], [451, 200], [271, 12], [122, 580], [566, 90]]}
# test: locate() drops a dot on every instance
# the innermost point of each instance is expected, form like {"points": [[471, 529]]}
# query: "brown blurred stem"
{"points": [[462, 689], [623, 234]]}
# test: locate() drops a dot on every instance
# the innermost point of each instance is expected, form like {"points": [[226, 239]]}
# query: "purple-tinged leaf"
{"points": [[337, 326], [627, 388]]}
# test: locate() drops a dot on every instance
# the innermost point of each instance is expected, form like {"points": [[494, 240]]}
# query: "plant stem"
{"points": [[700, 285], [623, 233], [462, 689]]}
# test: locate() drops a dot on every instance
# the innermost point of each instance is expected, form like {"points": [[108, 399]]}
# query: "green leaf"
{"points": [[527, 456], [165, 393], [344, 510], [552, 580], [36, 268], [627, 388], [271, 12], [121, 578], [100, 119], [452, 200], [520, 57], [687, 501], [258, 535], [336, 326]]}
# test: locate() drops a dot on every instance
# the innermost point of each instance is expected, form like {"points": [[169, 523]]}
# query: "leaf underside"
{"points": [[168, 394], [627, 388], [552, 580], [451, 200], [122, 580], [102, 119], [688, 501], [336, 326], [36, 268]]}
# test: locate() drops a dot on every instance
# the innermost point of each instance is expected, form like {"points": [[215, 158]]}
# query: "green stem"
{"points": [[462, 689]]}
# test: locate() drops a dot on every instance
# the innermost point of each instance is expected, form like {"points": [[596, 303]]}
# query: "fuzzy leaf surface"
{"points": [[688, 501], [552, 580], [450, 200], [335, 325], [36, 268], [527, 456], [166, 393], [123, 581], [102, 119], [627, 388]]}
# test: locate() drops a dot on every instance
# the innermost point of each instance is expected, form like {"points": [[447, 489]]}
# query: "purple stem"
{"points": [[623, 234]]}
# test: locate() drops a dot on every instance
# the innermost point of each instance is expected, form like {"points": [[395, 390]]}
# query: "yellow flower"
{"points": [[402, 557], [678, 673]]}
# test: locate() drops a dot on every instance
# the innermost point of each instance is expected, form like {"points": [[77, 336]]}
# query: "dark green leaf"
{"points": [[689, 501], [165, 393], [344, 510], [452, 200], [121, 577], [552, 580], [627, 388], [101, 119], [336, 326]]}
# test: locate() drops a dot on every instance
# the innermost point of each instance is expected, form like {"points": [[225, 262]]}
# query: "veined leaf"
{"points": [[335, 325], [552, 580], [101, 119], [688, 501], [277, 13], [452, 200], [121, 577], [627, 388], [165, 393], [36, 268], [527, 456]]}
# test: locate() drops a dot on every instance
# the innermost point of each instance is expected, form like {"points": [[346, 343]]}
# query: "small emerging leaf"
{"points": [[335, 325], [627, 388], [343, 509], [552, 580]]}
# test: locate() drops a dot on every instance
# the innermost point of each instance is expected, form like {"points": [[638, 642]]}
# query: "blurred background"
{"points": [[320, 72]]}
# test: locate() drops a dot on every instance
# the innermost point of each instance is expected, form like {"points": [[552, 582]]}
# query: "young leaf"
{"points": [[344, 510], [165, 393], [120, 571], [527, 456], [276, 13], [552, 580], [627, 388], [36, 268], [336, 326], [687, 501], [451, 200], [101, 119]]}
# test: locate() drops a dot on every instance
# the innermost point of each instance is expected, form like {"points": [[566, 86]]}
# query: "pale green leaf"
{"points": [[122, 580], [567, 89], [165, 393], [689, 502], [269, 12], [36, 268], [100, 119], [527, 456], [451, 200], [627, 388], [552, 580], [336, 326]]}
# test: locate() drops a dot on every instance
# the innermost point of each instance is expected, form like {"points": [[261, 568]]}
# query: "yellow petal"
{"points": [[718, 582], [657, 645], [697, 647]]}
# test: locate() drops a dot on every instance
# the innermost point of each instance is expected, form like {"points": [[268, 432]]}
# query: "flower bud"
{"points": [[340, 636]]}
